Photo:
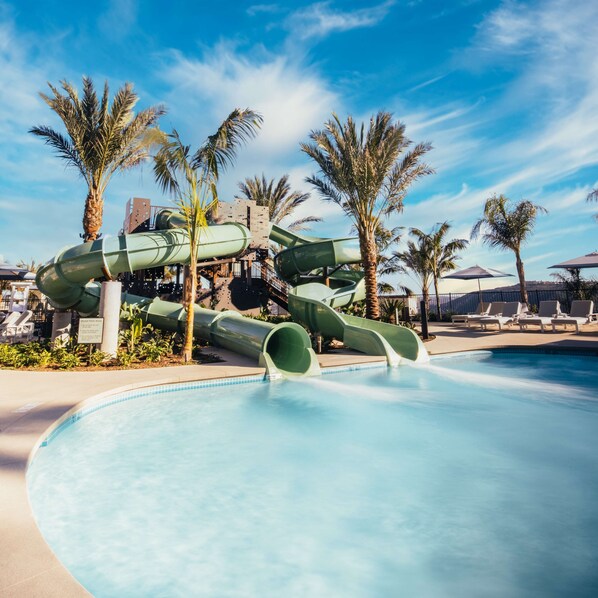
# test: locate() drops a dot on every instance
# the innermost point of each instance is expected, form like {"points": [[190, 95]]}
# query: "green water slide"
{"points": [[67, 280], [306, 264]]}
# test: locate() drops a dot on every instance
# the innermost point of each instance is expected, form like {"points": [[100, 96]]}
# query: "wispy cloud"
{"points": [[292, 98], [320, 19], [119, 18], [256, 9], [427, 83]]}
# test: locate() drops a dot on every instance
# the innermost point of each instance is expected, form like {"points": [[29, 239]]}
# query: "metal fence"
{"points": [[462, 303]]}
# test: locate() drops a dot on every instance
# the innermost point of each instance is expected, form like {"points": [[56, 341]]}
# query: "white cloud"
{"points": [[319, 20], [291, 98]]}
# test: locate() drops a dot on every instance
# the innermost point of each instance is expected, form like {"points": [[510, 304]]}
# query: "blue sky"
{"points": [[507, 93]]}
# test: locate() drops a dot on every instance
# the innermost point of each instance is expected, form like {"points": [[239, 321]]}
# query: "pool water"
{"points": [[474, 476]]}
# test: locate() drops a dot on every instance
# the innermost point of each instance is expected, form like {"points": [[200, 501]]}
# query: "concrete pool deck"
{"points": [[30, 402]]}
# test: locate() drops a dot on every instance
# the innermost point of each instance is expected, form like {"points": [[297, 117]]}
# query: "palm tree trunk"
{"points": [[426, 297], [437, 298], [368, 255], [189, 302], [521, 274], [92, 215]]}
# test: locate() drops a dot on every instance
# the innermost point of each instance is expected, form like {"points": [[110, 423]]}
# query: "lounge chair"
{"points": [[546, 311], [495, 310], [582, 312], [510, 314], [8, 324], [482, 310], [20, 328]]}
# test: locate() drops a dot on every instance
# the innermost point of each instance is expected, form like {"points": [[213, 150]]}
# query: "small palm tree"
{"points": [[192, 179], [367, 173], [573, 282], [442, 255], [279, 198], [593, 196], [415, 260], [31, 265], [507, 227], [101, 140]]}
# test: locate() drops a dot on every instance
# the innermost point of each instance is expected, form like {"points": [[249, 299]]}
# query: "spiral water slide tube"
{"points": [[67, 280], [305, 264]]}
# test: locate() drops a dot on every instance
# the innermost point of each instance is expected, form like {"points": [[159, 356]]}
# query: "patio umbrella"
{"points": [[477, 272], [10, 272], [585, 261]]}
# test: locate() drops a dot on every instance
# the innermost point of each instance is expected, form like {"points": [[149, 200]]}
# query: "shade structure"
{"points": [[477, 272], [10, 272], [590, 260]]}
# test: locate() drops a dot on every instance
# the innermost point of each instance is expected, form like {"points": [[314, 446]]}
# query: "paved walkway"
{"points": [[30, 402]]}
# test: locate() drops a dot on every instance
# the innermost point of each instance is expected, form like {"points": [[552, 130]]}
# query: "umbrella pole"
{"points": [[480, 290]]}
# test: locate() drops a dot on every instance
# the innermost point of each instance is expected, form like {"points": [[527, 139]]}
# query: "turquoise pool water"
{"points": [[475, 476]]}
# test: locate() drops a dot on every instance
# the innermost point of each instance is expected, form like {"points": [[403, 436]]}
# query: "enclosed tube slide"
{"points": [[284, 349], [306, 264]]}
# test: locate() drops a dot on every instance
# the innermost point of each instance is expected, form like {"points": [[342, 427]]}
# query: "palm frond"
{"points": [[220, 149]]}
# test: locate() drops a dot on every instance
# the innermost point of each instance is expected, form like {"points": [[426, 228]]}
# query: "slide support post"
{"points": [[110, 311]]}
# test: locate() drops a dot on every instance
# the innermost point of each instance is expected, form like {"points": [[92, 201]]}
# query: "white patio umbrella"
{"points": [[478, 273], [589, 260]]}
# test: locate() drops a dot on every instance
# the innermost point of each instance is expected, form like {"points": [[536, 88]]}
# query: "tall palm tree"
{"points": [[415, 260], [442, 255], [192, 179], [367, 173], [386, 238], [507, 227], [279, 198], [101, 139]]}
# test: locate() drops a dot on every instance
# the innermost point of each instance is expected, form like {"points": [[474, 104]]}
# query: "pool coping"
{"points": [[33, 569]]}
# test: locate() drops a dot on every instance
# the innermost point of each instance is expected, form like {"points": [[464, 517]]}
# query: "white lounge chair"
{"points": [[482, 310], [510, 314], [495, 310], [582, 312], [20, 329], [546, 311], [6, 328]]}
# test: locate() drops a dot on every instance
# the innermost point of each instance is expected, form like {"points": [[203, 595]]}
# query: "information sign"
{"points": [[90, 330]]}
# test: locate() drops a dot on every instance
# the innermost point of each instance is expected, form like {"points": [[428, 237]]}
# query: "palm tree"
{"points": [[416, 261], [279, 198], [442, 255], [573, 282], [385, 239], [367, 173], [593, 196], [508, 228], [101, 139], [31, 265], [192, 178]]}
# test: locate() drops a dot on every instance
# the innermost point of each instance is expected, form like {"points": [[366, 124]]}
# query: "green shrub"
{"points": [[97, 358], [8, 356], [64, 359], [124, 358]]}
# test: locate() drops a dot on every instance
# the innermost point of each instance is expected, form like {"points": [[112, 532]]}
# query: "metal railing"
{"points": [[462, 303]]}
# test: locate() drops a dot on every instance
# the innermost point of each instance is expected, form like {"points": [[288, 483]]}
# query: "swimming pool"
{"points": [[474, 476]]}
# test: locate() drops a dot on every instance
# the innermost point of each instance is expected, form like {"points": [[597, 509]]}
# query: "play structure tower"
{"points": [[241, 282]]}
